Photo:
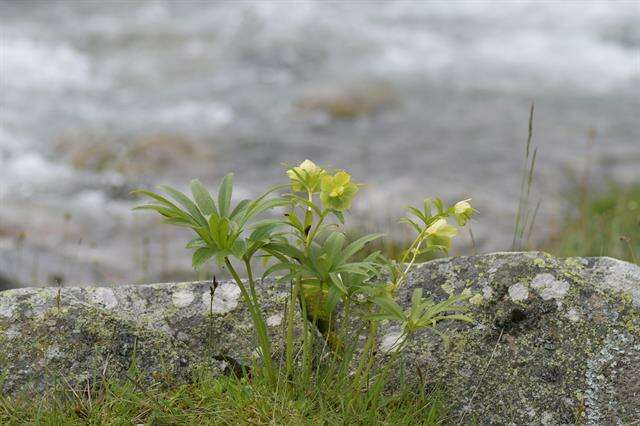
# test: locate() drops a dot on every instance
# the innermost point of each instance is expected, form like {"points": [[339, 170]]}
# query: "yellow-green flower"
{"points": [[306, 176], [337, 191], [440, 233], [463, 211]]}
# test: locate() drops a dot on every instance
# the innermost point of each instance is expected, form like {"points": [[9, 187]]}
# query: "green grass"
{"points": [[602, 224], [221, 401]]}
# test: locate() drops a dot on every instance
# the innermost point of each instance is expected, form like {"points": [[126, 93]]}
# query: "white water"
{"points": [[228, 76]]}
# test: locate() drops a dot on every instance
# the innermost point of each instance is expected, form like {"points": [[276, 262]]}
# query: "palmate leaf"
{"points": [[260, 204], [203, 199], [189, 205], [202, 255], [356, 246], [390, 307]]}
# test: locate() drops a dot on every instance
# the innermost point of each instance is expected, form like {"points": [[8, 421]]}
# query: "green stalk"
{"points": [[258, 321], [342, 333], [252, 285], [364, 358], [313, 233], [378, 385], [290, 325]]}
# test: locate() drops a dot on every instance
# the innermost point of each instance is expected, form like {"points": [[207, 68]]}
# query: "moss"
{"points": [[539, 262]]}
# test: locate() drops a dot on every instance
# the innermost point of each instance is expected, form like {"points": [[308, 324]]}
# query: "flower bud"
{"points": [[306, 176], [463, 211]]}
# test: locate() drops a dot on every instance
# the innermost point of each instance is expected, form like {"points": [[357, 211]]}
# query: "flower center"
{"points": [[337, 192]]}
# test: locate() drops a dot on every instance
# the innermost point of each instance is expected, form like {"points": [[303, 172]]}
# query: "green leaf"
{"points": [[416, 303], [262, 231], [304, 202], [411, 223], [356, 246], [418, 213], [203, 199], [390, 307], [286, 249], [178, 221], [439, 205], [295, 223], [381, 317], [453, 317], [196, 243], [239, 248], [333, 298], [224, 195], [427, 206], [339, 216], [164, 211], [204, 233], [337, 281], [333, 246], [156, 197], [269, 204], [280, 266], [202, 255], [240, 208], [186, 203]]}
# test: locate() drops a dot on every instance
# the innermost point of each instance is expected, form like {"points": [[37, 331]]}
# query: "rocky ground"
{"points": [[555, 341]]}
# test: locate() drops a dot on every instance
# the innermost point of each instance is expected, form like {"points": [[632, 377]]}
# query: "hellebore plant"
{"points": [[312, 256]]}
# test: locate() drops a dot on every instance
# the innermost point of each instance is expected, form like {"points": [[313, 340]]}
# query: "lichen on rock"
{"points": [[555, 341]]}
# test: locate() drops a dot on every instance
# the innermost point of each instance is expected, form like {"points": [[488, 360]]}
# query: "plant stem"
{"points": [[306, 348], [252, 285], [258, 321], [342, 334], [313, 233], [290, 320], [364, 357]]}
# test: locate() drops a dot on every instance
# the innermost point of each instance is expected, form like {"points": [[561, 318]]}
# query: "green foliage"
{"points": [[602, 224], [222, 401], [322, 269]]}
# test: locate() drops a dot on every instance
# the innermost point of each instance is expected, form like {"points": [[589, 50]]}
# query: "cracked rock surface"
{"points": [[556, 341]]}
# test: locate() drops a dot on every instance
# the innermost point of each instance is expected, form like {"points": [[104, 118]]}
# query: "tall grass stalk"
{"points": [[523, 220]]}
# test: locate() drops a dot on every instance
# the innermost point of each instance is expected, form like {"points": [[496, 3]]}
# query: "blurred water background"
{"points": [[414, 98]]}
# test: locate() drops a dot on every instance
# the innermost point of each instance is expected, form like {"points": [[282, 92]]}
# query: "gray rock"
{"points": [[556, 341]]}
